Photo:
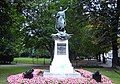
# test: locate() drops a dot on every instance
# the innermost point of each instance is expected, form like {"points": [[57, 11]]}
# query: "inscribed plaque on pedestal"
{"points": [[61, 49]]}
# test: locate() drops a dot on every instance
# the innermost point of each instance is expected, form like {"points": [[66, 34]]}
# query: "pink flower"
{"points": [[37, 79]]}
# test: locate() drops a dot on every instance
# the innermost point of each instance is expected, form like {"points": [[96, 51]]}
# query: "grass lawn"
{"points": [[109, 72], [5, 71], [32, 60]]}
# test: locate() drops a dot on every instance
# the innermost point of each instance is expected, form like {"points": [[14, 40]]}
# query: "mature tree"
{"points": [[10, 22], [115, 22], [105, 16]]}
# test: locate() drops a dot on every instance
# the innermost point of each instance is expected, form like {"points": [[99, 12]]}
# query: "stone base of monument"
{"points": [[62, 75], [61, 69], [61, 66], [61, 63]]}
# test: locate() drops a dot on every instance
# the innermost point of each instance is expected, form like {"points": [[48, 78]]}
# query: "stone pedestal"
{"points": [[61, 63]]}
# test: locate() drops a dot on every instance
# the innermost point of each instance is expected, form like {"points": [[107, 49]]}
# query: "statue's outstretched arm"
{"points": [[66, 9]]}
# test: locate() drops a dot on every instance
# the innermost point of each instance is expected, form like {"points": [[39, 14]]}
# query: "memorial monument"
{"points": [[61, 65]]}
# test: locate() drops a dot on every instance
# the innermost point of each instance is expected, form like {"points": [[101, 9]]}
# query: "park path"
{"points": [[108, 63], [24, 65], [91, 62]]}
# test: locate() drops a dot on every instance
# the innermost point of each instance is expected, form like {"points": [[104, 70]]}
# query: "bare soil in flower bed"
{"points": [[39, 79]]}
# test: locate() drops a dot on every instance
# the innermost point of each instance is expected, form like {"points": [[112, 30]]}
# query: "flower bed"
{"points": [[37, 79]]}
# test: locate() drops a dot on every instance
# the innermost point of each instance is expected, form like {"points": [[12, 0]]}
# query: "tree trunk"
{"points": [[52, 56], [99, 58], [115, 53], [114, 35], [52, 53], [104, 60]]}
